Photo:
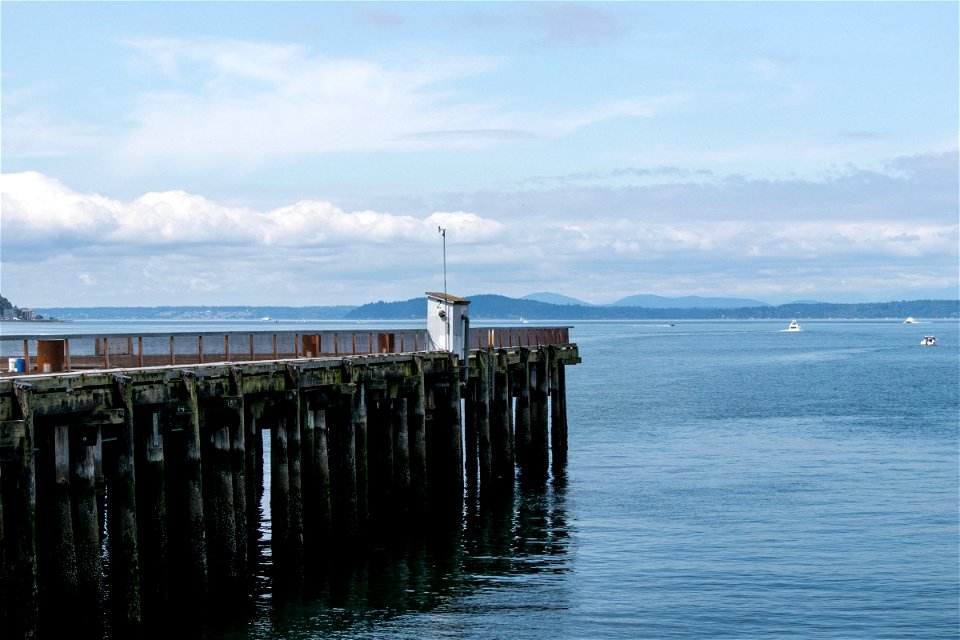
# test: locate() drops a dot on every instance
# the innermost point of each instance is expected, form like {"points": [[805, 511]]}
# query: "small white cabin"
{"points": [[448, 323]]}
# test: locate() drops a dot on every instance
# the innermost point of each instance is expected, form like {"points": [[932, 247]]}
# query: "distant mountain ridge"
{"points": [[652, 301], [554, 298], [200, 313], [686, 302], [497, 307]]}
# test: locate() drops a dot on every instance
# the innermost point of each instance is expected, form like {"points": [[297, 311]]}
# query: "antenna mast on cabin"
{"points": [[443, 232]]}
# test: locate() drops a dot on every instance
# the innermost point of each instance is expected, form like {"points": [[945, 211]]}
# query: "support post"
{"points": [[295, 466], [359, 419], [522, 436], [279, 490], [19, 575], [58, 573], [344, 474], [86, 532], [317, 506], [501, 439], [482, 411], [122, 517], [152, 516], [539, 459], [401, 456], [558, 414], [418, 451], [219, 508], [195, 587], [471, 440]]}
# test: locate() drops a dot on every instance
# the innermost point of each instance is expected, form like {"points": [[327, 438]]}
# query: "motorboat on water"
{"points": [[910, 320], [794, 326], [929, 341]]}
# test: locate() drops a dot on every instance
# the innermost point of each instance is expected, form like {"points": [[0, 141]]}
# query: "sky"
{"points": [[309, 153]]}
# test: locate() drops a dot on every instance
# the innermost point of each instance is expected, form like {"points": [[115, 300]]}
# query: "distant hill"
{"points": [[487, 307], [198, 313], [686, 302], [495, 307], [554, 298], [482, 306]]}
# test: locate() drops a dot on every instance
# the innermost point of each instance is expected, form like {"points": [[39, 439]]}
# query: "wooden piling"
{"points": [[195, 586], [86, 533], [291, 415], [539, 458], [501, 440], [455, 436], [418, 451], [219, 508], [122, 515], [381, 460], [482, 412], [522, 411], [318, 518], [307, 466], [238, 470], [58, 568], [279, 491], [4, 563], [471, 441], [359, 419], [253, 474], [558, 413], [151, 515], [344, 477], [444, 447], [401, 456], [21, 605]]}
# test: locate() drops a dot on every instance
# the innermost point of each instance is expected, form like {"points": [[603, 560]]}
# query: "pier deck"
{"points": [[129, 478]]}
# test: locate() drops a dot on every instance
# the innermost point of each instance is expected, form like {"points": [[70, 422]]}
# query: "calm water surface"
{"points": [[726, 480]]}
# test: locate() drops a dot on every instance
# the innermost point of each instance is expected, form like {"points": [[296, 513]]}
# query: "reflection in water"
{"points": [[501, 544]]}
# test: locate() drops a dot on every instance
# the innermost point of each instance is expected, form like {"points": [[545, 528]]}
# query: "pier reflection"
{"points": [[498, 544]]}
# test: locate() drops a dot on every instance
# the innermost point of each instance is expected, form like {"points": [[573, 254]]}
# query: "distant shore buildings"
{"points": [[17, 313], [10, 312]]}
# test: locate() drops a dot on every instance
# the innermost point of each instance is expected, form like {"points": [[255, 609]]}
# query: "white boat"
{"points": [[794, 326], [929, 341], [910, 320]]}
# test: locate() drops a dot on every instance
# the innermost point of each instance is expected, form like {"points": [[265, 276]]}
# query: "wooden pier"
{"points": [[131, 467]]}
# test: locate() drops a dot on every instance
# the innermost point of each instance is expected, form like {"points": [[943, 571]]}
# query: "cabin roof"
{"points": [[446, 297]]}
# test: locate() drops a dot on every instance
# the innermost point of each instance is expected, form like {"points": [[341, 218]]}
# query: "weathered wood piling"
{"points": [[362, 448]]}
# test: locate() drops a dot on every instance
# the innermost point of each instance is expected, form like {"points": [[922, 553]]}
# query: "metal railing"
{"points": [[39, 354]]}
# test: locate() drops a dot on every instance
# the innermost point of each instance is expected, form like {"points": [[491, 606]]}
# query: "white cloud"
{"points": [[39, 210], [258, 102], [35, 206], [180, 248]]}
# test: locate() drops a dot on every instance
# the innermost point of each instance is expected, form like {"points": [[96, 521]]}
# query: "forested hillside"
{"points": [[504, 308]]}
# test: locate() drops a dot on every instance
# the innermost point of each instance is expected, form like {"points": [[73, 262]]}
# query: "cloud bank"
{"points": [[858, 234]]}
